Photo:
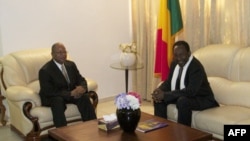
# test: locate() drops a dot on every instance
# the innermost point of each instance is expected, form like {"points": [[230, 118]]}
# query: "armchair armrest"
{"points": [[92, 85], [159, 84], [21, 93]]}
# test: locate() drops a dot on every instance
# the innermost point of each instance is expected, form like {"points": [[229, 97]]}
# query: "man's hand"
{"points": [[80, 89], [158, 95], [78, 92]]}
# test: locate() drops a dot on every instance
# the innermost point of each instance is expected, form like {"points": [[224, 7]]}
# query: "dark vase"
{"points": [[128, 119]]}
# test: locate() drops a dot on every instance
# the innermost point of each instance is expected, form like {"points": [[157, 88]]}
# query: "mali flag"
{"points": [[169, 23]]}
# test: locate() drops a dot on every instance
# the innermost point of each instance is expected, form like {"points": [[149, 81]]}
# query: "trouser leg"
{"points": [[160, 109], [185, 106], [85, 108], [58, 107]]}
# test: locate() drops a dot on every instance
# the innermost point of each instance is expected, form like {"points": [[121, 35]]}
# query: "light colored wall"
{"points": [[90, 29]]}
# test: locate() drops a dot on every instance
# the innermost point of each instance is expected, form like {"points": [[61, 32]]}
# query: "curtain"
{"points": [[216, 22], [144, 17], [205, 22]]}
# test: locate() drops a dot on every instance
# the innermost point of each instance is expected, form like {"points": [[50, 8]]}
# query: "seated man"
{"points": [[61, 83], [187, 86]]}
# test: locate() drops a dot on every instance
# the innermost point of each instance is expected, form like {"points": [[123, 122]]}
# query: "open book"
{"points": [[150, 125]]}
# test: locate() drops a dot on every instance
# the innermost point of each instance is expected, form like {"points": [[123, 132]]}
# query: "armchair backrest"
{"points": [[217, 59], [228, 72], [21, 68]]}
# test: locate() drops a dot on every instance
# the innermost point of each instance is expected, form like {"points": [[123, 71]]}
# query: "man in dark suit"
{"points": [[187, 86], [59, 87]]}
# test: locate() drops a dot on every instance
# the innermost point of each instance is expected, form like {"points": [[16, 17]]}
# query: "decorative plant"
{"points": [[130, 100], [128, 47]]}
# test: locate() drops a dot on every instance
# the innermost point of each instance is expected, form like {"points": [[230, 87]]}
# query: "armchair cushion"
{"points": [[45, 114]]}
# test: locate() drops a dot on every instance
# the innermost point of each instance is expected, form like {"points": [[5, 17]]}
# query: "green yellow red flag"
{"points": [[169, 24]]}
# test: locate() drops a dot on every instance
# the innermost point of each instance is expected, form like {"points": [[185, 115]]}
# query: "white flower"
{"points": [[131, 100], [128, 47]]}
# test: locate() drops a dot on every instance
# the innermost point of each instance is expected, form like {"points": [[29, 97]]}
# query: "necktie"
{"points": [[177, 86], [64, 71]]}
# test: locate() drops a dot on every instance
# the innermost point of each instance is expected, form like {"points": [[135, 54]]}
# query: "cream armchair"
{"points": [[21, 87]]}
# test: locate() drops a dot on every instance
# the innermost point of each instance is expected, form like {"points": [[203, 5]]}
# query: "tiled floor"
{"points": [[103, 108]]}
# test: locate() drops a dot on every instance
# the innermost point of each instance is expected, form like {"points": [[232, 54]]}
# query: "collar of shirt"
{"points": [[58, 65]]}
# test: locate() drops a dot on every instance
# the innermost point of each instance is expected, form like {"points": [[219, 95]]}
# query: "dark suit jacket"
{"points": [[196, 82], [53, 83]]}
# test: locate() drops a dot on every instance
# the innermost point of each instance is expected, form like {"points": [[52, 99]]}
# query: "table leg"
{"points": [[126, 79]]}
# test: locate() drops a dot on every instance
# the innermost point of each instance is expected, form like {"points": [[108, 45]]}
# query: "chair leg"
{"points": [[3, 109], [32, 138]]}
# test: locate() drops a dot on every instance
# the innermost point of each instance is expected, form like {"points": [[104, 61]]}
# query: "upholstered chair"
{"points": [[20, 84]]}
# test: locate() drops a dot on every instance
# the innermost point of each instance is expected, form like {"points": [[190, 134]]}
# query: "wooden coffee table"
{"points": [[89, 131]]}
